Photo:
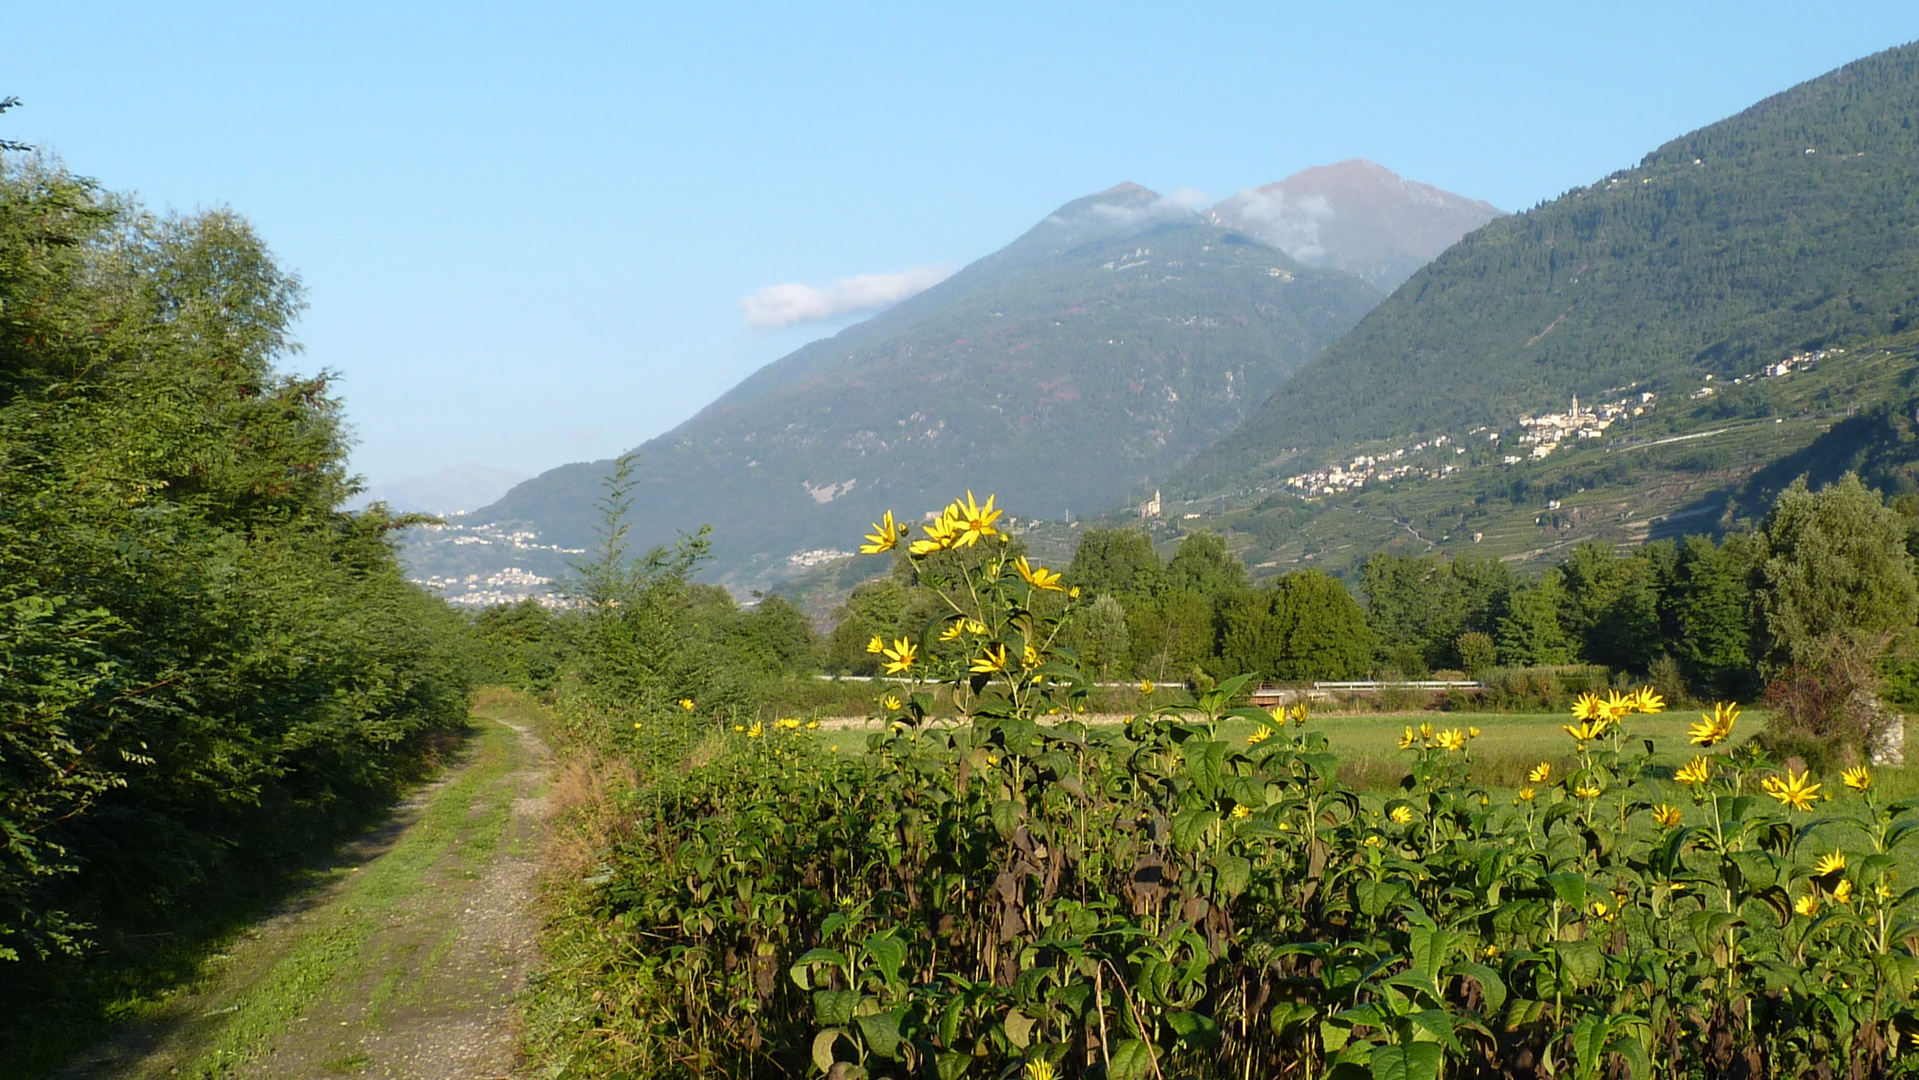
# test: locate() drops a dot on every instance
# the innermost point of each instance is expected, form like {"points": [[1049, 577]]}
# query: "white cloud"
{"points": [[786, 305], [1292, 225]]}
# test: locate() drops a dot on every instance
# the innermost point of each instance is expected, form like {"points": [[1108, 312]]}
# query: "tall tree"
{"points": [[1116, 562], [1831, 563]]}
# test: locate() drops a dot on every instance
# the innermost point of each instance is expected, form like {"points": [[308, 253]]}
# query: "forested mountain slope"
{"points": [[1789, 227], [1068, 370]]}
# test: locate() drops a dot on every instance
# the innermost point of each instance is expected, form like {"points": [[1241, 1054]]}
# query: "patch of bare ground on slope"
{"points": [[412, 965]]}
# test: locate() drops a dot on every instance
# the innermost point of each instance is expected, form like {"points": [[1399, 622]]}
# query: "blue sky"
{"points": [[527, 230]]}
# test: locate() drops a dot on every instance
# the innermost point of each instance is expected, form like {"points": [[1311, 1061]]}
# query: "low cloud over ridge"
{"points": [[778, 306]]}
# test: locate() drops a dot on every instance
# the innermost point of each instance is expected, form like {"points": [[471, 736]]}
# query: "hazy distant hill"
{"points": [[1788, 227], [1355, 216], [1069, 370]]}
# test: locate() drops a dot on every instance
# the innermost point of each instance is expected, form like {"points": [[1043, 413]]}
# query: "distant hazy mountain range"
{"points": [[1066, 372], [1355, 216], [452, 490]]}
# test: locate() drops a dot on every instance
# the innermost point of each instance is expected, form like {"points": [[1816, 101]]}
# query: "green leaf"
{"points": [[1491, 987], [1375, 897], [1580, 962], [1417, 1061], [1131, 1060], [882, 1033], [1019, 1028], [951, 1065], [1589, 1045], [1233, 874], [1005, 818], [1570, 887], [1190, 828], [823, 1048], [888, 953], [1194, 1029], [834, 1008]]}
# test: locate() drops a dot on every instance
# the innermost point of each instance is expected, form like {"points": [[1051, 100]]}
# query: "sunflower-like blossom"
{"points": [[992, 659], [942, 534], [1260, 734], [1450, 740], [953, 630], [1696, 771], [1794, 790], [1038, 576], [884, 537], [1829, 864], [892, 703], [1857, 778], [1648, 701], [1588, 730], [1589, 707], [1527, 794], [1807, 905], [1401, 815], [1667, 816], [900, 656], [876, 644], [1715, 727], [972, 522], [1540, 773], [1407, 740], [1242, 811]]}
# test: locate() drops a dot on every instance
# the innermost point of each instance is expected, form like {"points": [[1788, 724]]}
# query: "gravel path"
{"points": [[409, 965]]}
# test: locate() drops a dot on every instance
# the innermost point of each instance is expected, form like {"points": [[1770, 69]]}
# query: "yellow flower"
{"points": [[1829, 864], [1794, 790], [900, 656], [1146, 687], [1586, 791], [1406, 741], [1401, 814], [1807, 905], [1287, 827], [1714, 729], [1857, 778], [787, 723], [1589, 707], [992, 759], [1260, 734], [1696, 771], [974, 626], [875, 644], [1242, 811], [1073, 593], [991, 660], [1450, 740], [1038, 1069], [636, 725], [891, 703], [1526, 794], [1602, 912], [1037, 576], [1587, 731], [942, 533], [973, 521], [1472, 733], [953, 630], [812, 725], [1489, 951], [1299, 713], [1842, 892], [1425, 731], [1667, 816], [884, 537], [755, 730], [1374, 840], [1541, 772], [1647, 700], [686, 703], [1030, 656]]}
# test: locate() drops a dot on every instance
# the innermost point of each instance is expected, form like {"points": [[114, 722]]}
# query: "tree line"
{"points": [[206, 662]]}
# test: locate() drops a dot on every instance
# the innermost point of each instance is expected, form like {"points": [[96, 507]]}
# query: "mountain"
{"points": [[1788, 227], [1639, 357], [1069, 370], [452, 490], [1355, 216]]}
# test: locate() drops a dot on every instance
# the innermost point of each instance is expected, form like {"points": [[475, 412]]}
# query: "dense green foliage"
{"points": [[1786, 227], [1120, 334], [1019, 897], [202, 656]]}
